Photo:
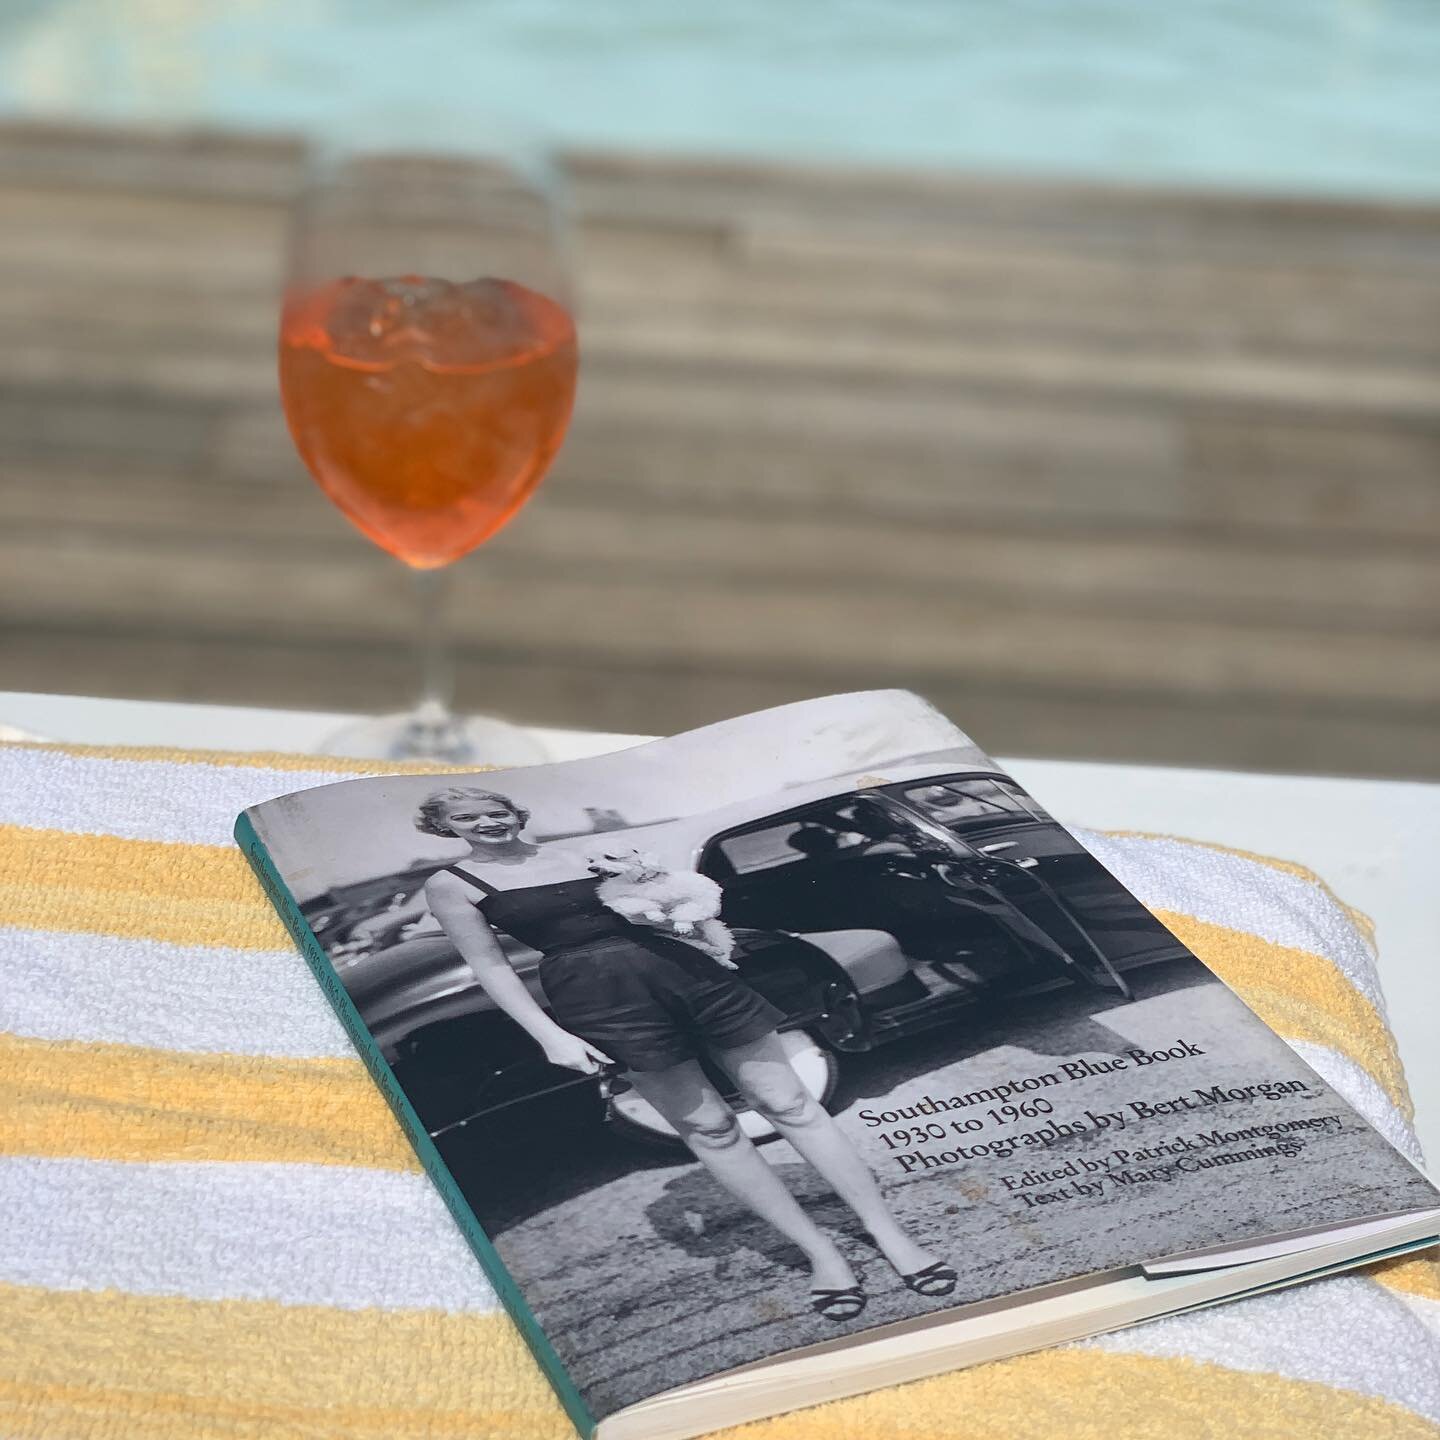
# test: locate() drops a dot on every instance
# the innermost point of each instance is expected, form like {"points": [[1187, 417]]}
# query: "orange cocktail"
{"points": [[426, 410]]}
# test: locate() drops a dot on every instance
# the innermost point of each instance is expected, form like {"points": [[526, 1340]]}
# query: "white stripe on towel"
{"points": [[172, 997], [1426, 1311], [1364, 1092], [1243, 894], [299, 1234], [94, 796], [1347, 1332]]}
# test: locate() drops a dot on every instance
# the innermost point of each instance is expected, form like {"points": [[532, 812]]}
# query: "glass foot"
{"points": [[433, 733]]}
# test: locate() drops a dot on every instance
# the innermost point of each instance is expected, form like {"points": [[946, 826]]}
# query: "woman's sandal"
{"points": [[934, 1281], [843, 1304]]}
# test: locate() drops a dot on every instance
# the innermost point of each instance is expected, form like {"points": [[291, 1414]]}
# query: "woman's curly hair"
{"points": [[430, 817]]}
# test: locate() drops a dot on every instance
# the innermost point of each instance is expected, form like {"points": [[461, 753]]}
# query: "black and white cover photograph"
{"points": [[806, 1022]]}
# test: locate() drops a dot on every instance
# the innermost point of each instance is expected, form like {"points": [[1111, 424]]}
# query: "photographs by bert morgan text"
{"points": [[809, 1020]]}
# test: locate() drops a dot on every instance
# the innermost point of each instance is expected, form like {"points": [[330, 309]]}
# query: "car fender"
{"points": [[872, 959]]}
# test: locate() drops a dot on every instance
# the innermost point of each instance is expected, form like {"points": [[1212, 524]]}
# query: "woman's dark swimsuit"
{"points": [[646, 999]]}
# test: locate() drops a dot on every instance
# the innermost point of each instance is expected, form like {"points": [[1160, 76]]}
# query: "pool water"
{"points": [[1321, 96]]}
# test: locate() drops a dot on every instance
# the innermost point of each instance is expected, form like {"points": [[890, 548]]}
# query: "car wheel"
{"points": [[818, 1067]]}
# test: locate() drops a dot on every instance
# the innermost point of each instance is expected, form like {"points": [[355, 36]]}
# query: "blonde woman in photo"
{"points": [[643, 999]]}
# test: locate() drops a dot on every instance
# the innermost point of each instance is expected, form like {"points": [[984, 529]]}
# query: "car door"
{"points": [[995, 815], [838, 864], [786, 871]]}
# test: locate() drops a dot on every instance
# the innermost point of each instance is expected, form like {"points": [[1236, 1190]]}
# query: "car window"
{"points": [[965, 800], [818, 835], [1024, 801], [785, 844]]}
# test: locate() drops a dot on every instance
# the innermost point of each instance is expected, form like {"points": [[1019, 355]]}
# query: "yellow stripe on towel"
{"points": [[1300, 995], [97, 1365], [150, 889], [1410, 1275], [340, 766], [122, 1102], [109, 1364]]}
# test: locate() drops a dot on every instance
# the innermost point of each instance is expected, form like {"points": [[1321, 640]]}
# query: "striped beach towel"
{"points": [[212, 1225]]}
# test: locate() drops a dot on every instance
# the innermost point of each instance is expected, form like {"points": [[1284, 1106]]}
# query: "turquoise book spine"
{"points": [[490, 1261]]}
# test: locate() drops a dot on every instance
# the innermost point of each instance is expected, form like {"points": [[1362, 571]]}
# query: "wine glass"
{"points": [[427, 372]]}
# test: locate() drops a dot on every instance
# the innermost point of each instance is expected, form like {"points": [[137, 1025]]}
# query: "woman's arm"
{"points": [[481, 951]]}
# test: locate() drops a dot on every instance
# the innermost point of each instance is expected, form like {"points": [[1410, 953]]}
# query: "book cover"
{"points": [[809, 1026]]}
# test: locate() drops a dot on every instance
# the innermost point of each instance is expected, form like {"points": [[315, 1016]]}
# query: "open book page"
{"points": [[799, 1024]]}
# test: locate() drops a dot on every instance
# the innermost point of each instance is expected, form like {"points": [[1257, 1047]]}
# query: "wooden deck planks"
{"points": [[1110, 472]]}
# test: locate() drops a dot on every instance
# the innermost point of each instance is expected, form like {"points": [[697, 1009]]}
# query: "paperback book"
{"points": [[807, 1053]]}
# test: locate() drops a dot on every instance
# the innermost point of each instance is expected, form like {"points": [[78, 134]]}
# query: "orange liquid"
{"points": [[427, 411]]}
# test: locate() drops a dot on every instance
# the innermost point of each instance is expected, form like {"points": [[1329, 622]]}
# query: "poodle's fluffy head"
{"points": [[621, 862]]}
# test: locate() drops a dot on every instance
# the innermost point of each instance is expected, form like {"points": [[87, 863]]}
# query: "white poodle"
{"points": [[637, 885]]}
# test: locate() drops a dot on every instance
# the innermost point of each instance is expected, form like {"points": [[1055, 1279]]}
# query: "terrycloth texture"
{"points": [[213, 1227]]}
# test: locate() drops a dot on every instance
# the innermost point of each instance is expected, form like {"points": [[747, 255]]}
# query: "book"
{"points": [[807, 1053]]}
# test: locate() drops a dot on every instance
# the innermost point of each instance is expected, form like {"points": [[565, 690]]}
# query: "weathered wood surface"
{"points": [[1109, 473]]}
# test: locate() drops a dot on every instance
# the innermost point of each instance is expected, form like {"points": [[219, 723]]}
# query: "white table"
{"points": [[1374, 841]]}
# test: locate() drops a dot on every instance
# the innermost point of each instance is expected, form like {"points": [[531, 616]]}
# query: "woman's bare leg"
{"points": [[768, 1081], [683, 1095]]}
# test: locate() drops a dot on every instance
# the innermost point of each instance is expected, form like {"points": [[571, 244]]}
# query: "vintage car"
{"points": [[871, 908]]}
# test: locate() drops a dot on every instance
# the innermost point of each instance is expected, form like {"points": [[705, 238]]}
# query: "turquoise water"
{"points": [[1330, 96]]}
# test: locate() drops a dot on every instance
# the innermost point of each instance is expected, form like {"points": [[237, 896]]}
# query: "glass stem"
{"points": [[433, 731], [437, 666]]}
